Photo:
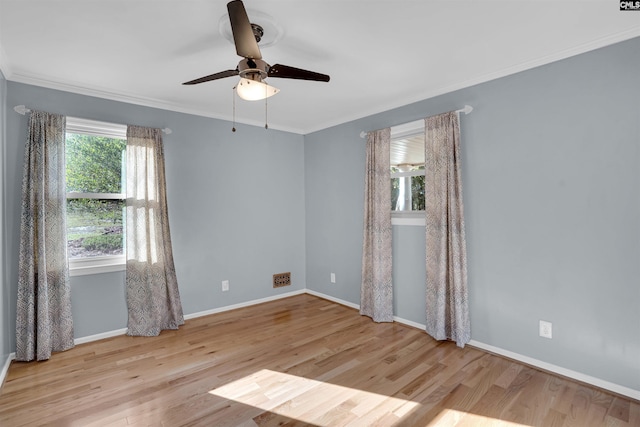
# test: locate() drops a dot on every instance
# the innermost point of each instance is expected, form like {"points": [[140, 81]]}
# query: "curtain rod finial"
{"points": [[21, 109], [167, 131]]}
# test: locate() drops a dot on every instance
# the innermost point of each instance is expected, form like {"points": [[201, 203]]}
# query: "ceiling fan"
{"points": [[252, 69]]}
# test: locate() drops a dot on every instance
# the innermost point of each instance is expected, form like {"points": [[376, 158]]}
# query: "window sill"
{"points": [[415, 218], [96, 265]]}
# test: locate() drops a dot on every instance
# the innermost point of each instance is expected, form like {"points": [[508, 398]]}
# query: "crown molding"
{"points": [[181, 108], [136, 100], [524, 66], [5, 68]]}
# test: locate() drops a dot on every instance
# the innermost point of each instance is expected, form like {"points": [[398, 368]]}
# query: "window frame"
{"points": [[97, 264], [415, 218]]}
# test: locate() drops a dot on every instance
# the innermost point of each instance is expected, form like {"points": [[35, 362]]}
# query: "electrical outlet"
{"points": [[546, 329], [225, 285], [333, 277]]}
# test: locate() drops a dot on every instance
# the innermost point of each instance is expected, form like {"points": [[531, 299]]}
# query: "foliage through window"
{"points": [[407, 192], [95, 176]]}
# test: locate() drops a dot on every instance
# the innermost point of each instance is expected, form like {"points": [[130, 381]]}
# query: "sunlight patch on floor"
{"points": [[311, 401], [451, 417], [326, 404]]}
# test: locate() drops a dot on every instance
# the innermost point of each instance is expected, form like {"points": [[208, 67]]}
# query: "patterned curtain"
{"points": [[43, 313], [376, 291], [153, 299], [447, 295]]}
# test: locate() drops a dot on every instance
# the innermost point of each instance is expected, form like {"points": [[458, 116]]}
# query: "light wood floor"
{"points": [[296, 361]]}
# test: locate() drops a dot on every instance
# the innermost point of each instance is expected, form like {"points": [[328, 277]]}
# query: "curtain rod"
{"points": [[466, 109], [21, 109]]}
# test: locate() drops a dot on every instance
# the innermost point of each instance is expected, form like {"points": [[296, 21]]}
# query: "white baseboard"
{"points": [[330, 298], [578, 376], [5, 368], [100, 336], [357, 307], [410, 323], [76, 341], [243, 304], [123, 331], [597, 382]]}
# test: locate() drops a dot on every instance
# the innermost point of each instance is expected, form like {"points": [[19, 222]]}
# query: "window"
{"points": [[95, 178], [407, 173]]}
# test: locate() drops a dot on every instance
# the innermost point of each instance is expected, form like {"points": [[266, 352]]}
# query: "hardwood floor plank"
{"points": [[619, 409], [553, 418], [299, 361], [634, 414], [491, 403]]}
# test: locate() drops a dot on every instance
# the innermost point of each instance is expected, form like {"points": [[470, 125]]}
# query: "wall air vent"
{"points": [[281, 279]]}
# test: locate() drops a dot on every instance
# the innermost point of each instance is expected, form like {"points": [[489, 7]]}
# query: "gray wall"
{"points": [[551, 172], [551, 162], [236, 207], [5, 331]]}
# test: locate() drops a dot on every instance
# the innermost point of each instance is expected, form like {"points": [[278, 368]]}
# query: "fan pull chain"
{"points": [[266, 126], [233, 129]]}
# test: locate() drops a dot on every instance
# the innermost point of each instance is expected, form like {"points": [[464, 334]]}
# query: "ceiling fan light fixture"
{"points": [[254, 90]]}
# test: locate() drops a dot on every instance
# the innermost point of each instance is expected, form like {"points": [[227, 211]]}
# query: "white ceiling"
{"points": [[380, 54]]}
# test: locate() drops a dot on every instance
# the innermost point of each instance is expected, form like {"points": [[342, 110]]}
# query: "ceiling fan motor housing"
{"points": [[253, 69]]}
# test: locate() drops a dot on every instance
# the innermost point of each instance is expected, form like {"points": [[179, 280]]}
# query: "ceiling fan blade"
{"points": [[216, 76], [286, 72], [243, 37]]}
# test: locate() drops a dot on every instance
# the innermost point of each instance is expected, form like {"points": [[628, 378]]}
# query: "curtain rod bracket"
{"points": [[466, 109]]}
